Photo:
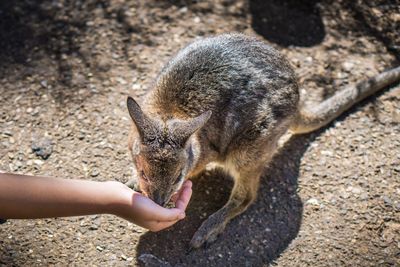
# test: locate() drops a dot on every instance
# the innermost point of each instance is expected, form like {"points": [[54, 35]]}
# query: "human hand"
{"points": [[142, 211]]}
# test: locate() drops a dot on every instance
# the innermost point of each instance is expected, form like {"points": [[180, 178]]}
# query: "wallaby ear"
{"points": [[142, 122], [182, 130]]}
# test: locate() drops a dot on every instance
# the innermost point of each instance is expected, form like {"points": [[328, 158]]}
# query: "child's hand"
{"points": [[144, 212], [30, 197]]}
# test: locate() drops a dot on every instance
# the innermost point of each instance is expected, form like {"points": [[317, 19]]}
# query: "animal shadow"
{"points": [[288, 22]]}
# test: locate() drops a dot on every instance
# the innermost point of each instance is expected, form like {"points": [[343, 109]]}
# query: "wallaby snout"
{"points": [[159, 197]]}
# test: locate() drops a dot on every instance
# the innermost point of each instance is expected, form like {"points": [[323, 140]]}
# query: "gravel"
{"points": [[330, 198]]}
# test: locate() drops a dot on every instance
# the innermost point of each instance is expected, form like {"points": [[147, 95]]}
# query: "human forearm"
{"points": [[30, 197], [24, 197]]}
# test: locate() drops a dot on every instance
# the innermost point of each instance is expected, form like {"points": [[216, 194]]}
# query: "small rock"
{"points": [[396, 116], [364, 196], [99, 248], [327, 153], [183, 10], [348, 66], [95, 172], [38, 162], [93, 227], [42, 147], [18, 164], [387, 201], [43, 83], [136, 86], [344, 195], [313, 201], [121, 80], [341, 75], [356, 190], [96, 222], [7, 133]]}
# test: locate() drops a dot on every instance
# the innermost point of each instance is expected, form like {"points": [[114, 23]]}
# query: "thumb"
{"points": [[170, 214]]}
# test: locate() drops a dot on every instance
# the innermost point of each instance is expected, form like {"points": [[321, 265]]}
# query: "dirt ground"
{"points": [[330, 198]]}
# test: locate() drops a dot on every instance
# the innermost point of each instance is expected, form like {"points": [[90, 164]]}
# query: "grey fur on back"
{"points": [[247, 84]]}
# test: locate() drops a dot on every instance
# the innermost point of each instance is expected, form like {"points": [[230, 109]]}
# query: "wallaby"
{"points": [[226, 100]]}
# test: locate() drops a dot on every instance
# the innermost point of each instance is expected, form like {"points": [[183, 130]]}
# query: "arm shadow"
{"points": [[255, 238]]}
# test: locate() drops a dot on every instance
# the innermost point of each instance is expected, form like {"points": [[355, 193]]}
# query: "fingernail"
{"points": [[182, 215]]}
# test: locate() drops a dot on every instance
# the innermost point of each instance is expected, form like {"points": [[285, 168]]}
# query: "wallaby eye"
{"points": [[178, 179], [144, 177]]}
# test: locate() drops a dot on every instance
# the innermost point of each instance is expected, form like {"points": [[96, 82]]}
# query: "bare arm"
{"points": [[23, 197]]}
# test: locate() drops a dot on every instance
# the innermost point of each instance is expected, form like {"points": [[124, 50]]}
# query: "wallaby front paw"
{"points": [[208, 231], [133, 184]]}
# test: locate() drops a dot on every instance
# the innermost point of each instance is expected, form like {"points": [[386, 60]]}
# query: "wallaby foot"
{"points": [[210, 229], [243, 194]]}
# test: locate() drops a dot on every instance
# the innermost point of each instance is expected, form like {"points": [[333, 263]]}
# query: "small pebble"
{"points": [[42, 147], [95, 172], [93, 227], [313, 201], [348, 66], [327, 153], [387, 201], [38, 162], [43, 83]]}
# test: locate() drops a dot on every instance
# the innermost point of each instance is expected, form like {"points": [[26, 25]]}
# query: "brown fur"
{"points": [[226, 100]]}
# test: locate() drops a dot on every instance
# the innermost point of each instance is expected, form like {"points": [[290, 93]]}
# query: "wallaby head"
{"points": [[163, 151]]}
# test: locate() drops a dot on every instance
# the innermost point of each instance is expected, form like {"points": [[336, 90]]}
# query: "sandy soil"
{"points": [[330, 198]]}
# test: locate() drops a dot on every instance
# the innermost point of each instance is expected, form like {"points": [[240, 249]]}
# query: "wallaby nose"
{"points": [[159, 199]]}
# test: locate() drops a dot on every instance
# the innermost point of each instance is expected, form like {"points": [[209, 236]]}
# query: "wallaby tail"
{"points": [[315, 117]]}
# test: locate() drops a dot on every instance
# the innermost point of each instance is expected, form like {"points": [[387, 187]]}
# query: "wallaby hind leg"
{"points": [[244, 192]]}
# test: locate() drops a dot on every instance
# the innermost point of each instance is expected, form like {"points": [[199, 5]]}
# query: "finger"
{"points": [[184, 197], [151, 211], [175, 196], [166, 215]]}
